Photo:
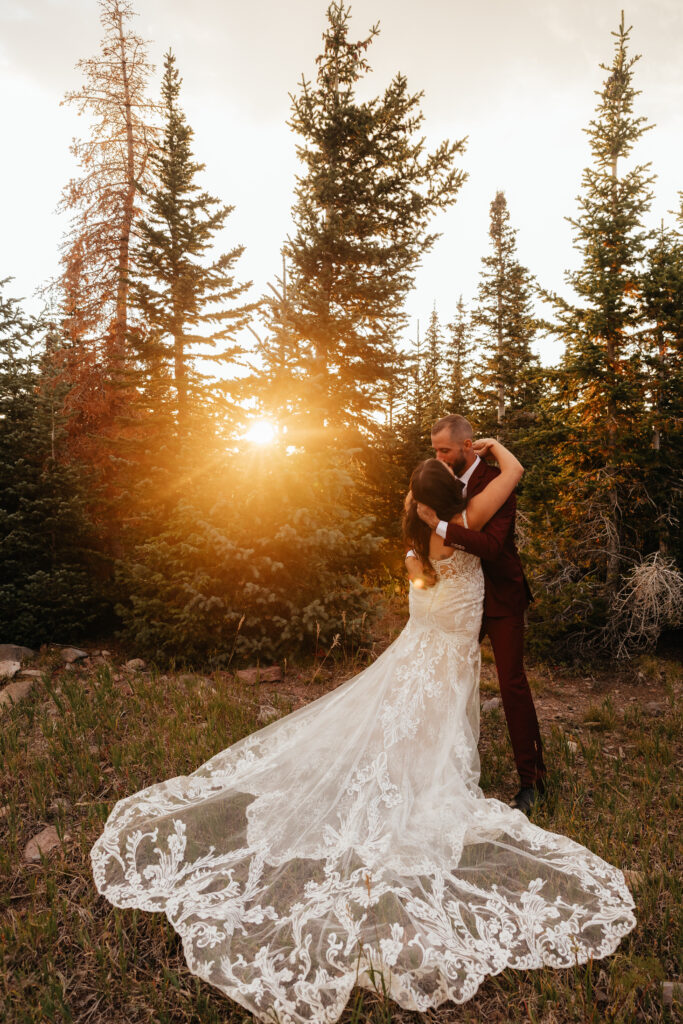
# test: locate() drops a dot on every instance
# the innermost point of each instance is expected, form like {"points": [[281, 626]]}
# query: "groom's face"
{"points": [[449, 451]]}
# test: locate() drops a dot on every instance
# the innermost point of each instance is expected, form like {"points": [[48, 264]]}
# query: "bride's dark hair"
{"points": [[434, 485]]}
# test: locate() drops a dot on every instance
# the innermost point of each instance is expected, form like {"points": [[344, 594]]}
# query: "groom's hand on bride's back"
{"points": [[427, 515]]}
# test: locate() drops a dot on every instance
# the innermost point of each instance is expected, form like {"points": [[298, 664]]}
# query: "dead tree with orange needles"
{"points": [[103, 199]]}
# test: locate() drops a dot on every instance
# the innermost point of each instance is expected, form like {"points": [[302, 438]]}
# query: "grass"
{"points": [[85, 738]]}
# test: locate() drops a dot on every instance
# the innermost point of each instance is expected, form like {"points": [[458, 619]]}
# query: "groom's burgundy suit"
{"points": [[506, 597]]}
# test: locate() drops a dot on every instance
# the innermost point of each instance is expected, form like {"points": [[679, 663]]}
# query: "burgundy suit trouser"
{"points": [[507, 640]]}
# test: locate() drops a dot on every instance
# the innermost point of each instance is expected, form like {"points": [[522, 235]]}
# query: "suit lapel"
{"points": [[478, 480]]}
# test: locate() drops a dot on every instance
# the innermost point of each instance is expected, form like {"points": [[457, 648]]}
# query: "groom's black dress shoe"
{"points": [[528, 797]]}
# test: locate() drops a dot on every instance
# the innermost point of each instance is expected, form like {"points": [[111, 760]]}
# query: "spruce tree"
{"points": [[433, 390], [661, 352], [602, 514], [186, 302], [460, 363], [602, 393], [49, 589], [506, 328], [363, 204]]}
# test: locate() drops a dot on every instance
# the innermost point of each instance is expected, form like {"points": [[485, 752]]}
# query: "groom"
{"points": [[506, 598]]}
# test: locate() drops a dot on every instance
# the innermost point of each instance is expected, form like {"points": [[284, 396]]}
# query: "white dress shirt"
{"points": [[464, 480]]}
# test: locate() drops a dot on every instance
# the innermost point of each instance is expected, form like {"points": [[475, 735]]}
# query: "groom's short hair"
{"points": [[459, 429]]}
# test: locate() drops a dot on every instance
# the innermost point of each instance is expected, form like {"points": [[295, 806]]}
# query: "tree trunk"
{"points": [[180, 378], [499, 327], [121, 321]]}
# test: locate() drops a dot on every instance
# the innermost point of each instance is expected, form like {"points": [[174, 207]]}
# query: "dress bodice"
{"points": [[455, 603]]}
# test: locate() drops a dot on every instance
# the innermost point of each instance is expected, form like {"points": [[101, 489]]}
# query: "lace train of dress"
{"points": [[352, 838]]}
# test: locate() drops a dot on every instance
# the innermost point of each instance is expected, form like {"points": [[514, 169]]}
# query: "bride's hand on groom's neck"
{"points": [[482, 446]]}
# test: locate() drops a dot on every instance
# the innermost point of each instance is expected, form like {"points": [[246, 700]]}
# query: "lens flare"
{"points": [[261, 432]]}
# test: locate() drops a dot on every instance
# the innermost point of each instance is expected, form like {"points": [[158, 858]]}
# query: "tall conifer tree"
{"points": [[48, 591], [661, 348], [433, 389], [460, 363], [186, 303], [603, 570], [363, 204], [603, 396], [504, 319], [103, 199]]}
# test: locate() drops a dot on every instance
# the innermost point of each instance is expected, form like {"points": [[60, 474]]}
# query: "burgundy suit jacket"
{"points": [[507, 591]]}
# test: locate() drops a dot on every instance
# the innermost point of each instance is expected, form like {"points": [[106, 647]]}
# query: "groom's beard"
{"points": [[459, 465]]}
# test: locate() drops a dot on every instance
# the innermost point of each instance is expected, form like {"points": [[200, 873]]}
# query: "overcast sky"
{"points": [[517, 78]]}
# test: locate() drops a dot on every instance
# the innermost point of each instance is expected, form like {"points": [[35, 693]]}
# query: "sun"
{"points": [[261, 432]]}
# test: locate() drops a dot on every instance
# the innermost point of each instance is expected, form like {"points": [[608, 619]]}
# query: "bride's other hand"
{"points": [[427, 515], [483, 445]]}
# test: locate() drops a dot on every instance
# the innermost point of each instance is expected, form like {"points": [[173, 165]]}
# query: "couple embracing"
{"points": [[349, 843], [489, 497]]}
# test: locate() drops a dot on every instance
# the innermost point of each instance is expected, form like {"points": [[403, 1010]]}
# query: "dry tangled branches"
{"points": [[649, 600]]}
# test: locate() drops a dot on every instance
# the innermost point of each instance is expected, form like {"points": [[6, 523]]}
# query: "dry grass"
{"points": [[83, 739]]}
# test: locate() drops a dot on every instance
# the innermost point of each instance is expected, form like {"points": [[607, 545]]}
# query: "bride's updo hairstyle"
{"points": [[434, 485]]}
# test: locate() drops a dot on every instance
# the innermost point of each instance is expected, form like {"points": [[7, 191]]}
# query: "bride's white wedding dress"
{"points": [[351, 839]]}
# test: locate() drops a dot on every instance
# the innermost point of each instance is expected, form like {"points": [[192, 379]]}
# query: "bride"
{"points": [[349, 843]]}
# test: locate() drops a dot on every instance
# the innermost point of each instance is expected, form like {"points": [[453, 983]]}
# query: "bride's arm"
{"points": [[484, 505], [486, 539]]}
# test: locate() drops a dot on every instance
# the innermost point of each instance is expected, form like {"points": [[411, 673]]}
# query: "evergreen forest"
{"points": [[135, 499]]}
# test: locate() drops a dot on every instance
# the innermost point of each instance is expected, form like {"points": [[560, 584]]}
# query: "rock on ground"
{"points": [[266, 714], [489, 705], [8, 669], [15, 652], [71, 654], [16, 691], [135, 665], [272, 674], [42, 843]]}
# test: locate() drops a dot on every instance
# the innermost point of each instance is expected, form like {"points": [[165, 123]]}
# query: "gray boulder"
{"points": [[14, 652], [16, 691], [71, 654]]}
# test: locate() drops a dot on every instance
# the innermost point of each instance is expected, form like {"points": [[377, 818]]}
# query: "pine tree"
{"points": [[186, 303], [460, 363], [506, 325], [433, 373], [363, 205], [661, 351], [279, 381], [103, 201], [600, 370], [411, 424], [49, 590], [602, 514], [92, 362]]}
